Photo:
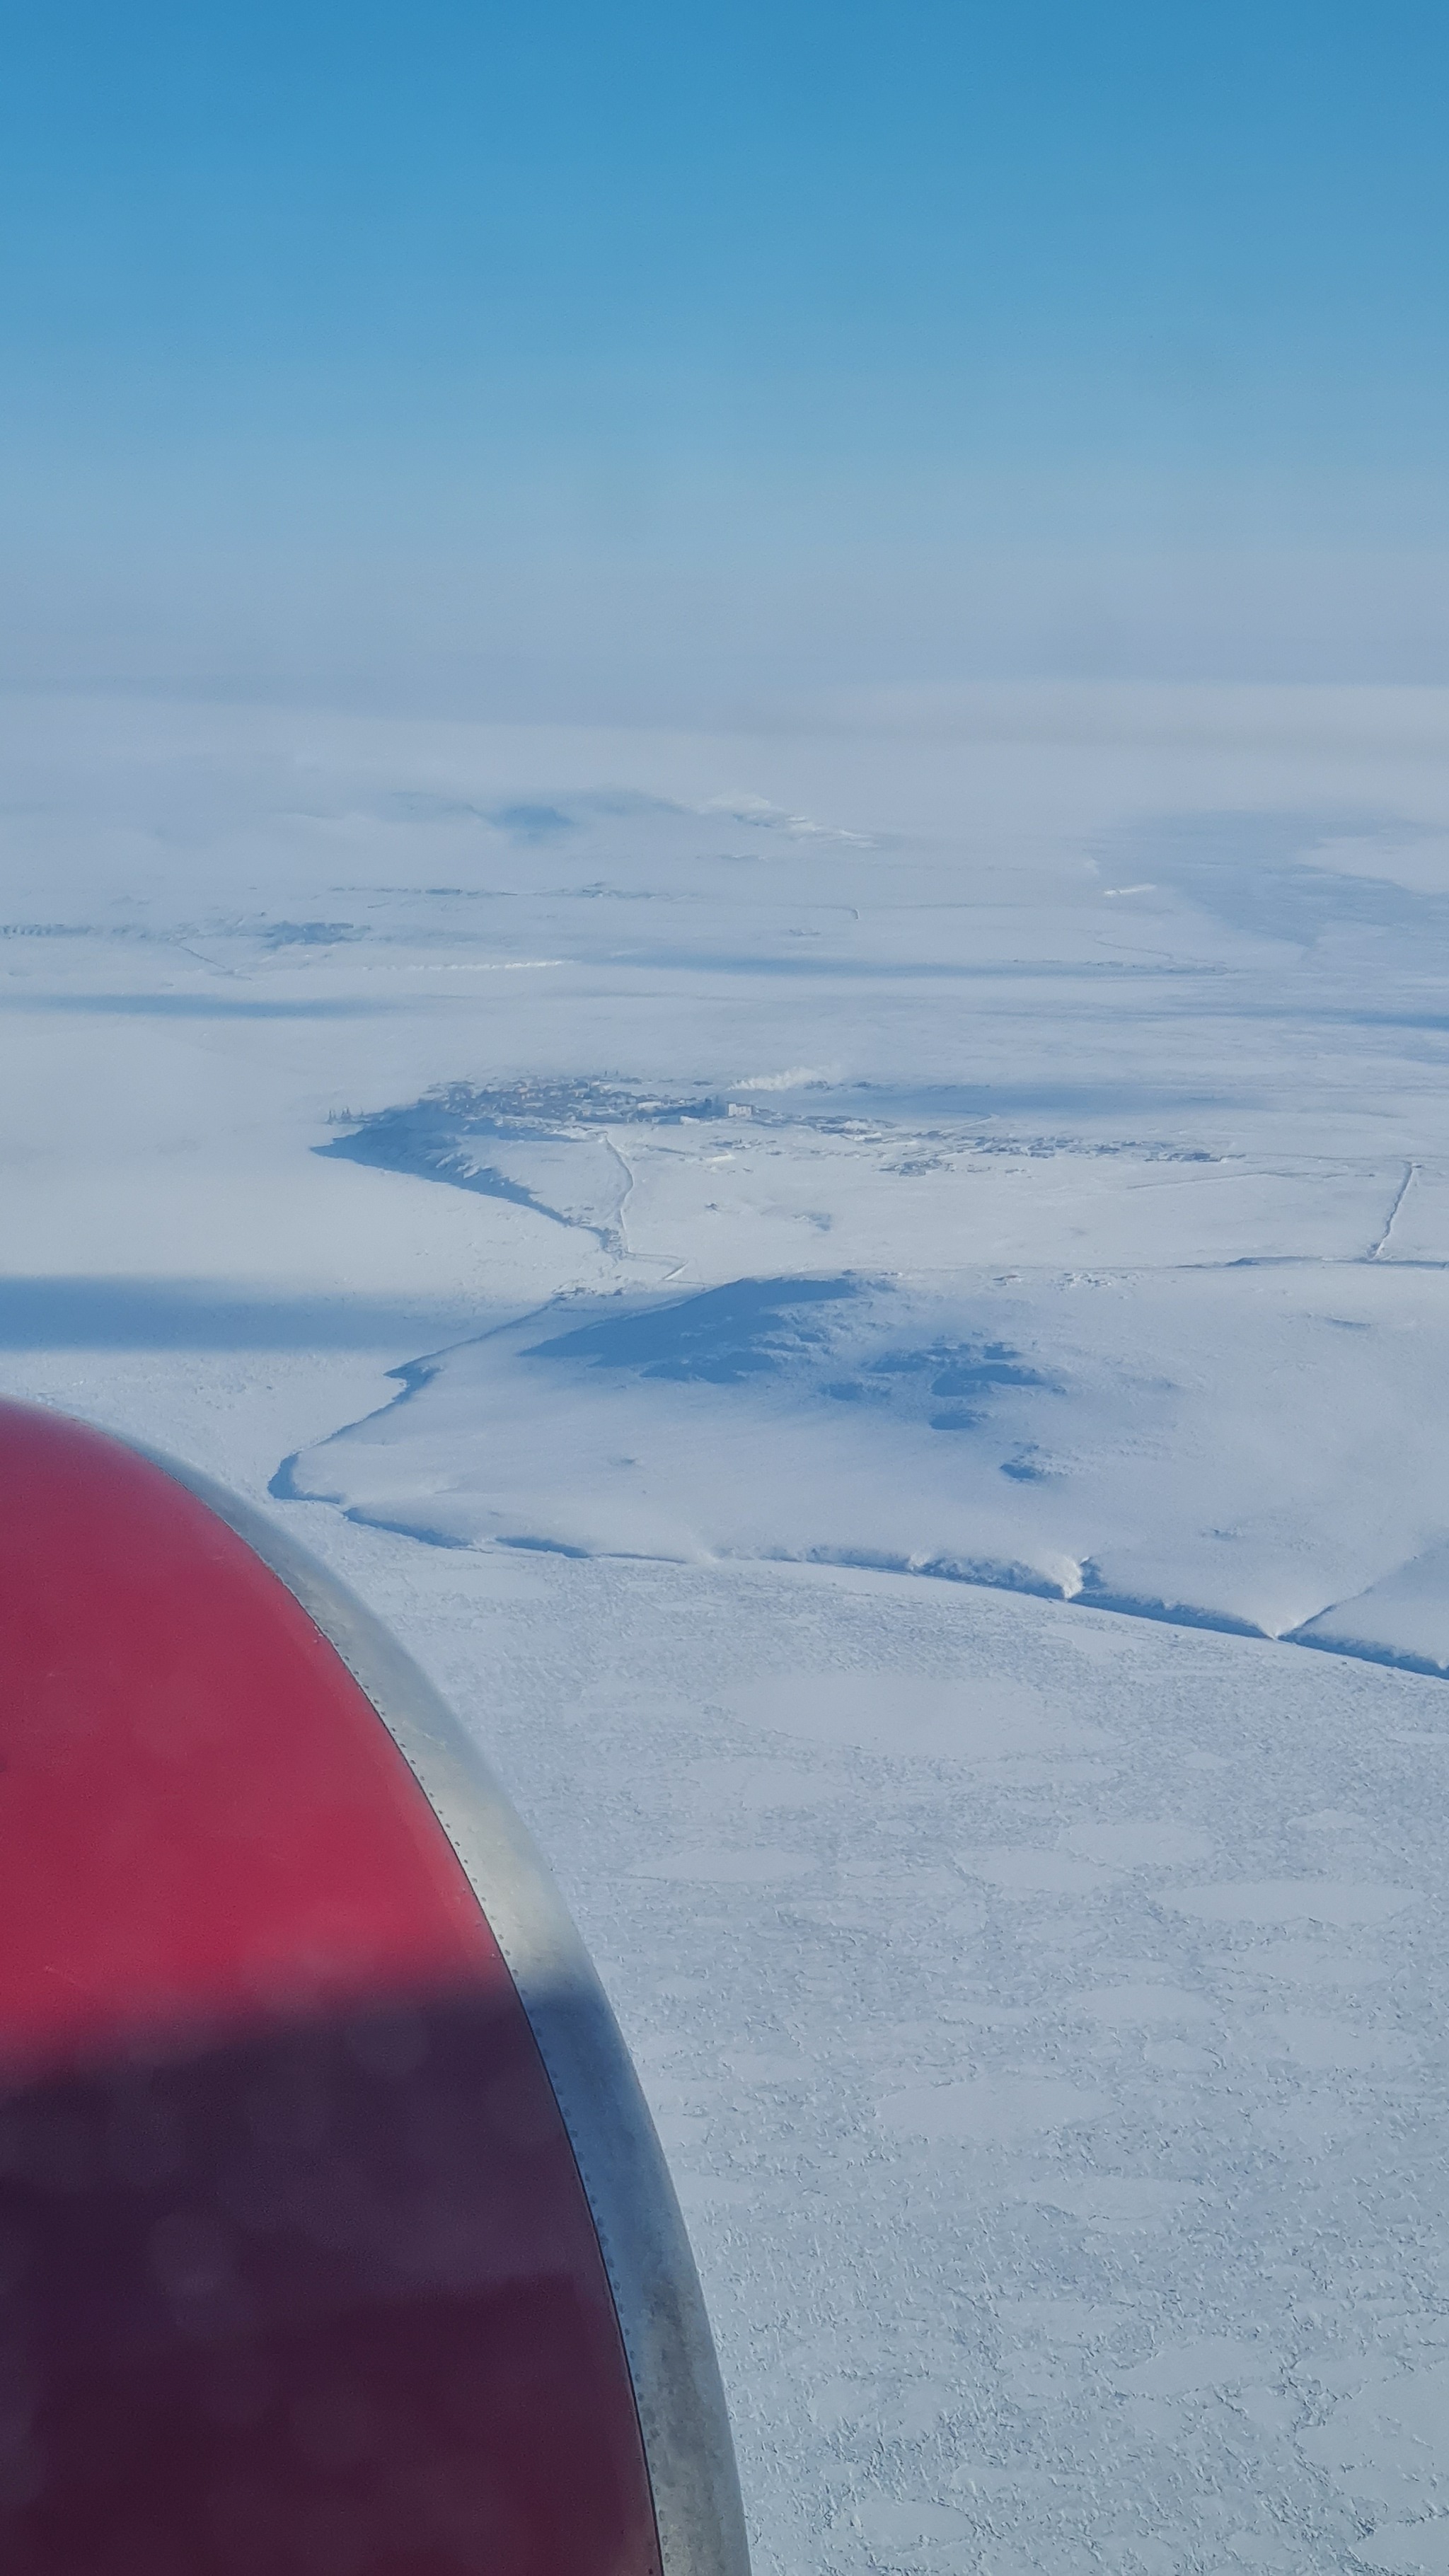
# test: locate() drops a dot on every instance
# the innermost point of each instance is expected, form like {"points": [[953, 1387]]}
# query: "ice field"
{"points": [[873, 1302]]}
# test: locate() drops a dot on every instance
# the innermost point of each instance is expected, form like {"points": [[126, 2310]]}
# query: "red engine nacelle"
{"points": [[335, 2238]]}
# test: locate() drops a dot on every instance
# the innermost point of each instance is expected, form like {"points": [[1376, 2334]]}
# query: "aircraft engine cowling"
{"points": [[335, 2237]]}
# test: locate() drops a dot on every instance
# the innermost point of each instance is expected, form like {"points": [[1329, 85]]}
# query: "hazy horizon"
{"points": [[661, 367]]}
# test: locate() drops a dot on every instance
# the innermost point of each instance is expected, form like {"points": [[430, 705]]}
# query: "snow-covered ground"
{"points": [[913, 1264]]}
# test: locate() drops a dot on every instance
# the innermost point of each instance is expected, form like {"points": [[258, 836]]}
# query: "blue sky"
{"points": [[574, 354]]}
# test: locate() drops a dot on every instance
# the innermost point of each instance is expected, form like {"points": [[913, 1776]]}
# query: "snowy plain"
{"points": [[864, 1296]]}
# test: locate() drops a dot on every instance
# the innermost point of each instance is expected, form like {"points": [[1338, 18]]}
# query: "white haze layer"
{"points": [[912, 1258]]}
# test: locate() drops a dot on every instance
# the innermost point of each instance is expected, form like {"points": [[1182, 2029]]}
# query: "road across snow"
{"points": [[1043, 2005]]}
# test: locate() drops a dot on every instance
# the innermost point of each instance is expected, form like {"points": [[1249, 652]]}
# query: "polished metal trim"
{"points": [[657, 2297]]}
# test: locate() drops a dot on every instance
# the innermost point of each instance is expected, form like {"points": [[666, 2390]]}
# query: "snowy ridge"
{"points": [[827, 1419]]}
